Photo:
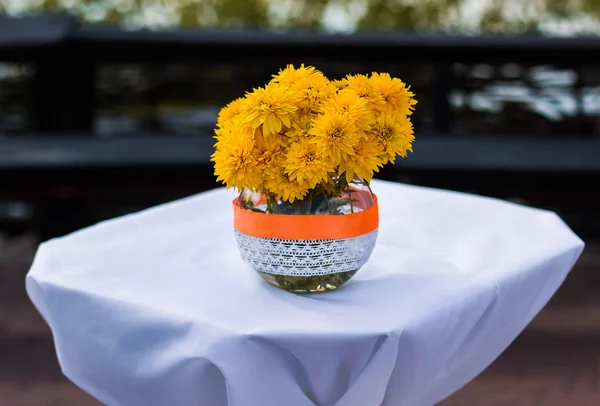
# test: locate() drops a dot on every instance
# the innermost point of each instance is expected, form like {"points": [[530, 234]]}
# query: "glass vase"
{"points": [[309, 246]]}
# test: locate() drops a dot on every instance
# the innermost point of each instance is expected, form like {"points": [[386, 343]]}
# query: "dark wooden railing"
{"points": [[59, 165]]}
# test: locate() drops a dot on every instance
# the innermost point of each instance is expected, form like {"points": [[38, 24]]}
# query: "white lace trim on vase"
{"points": [[305, 257]]}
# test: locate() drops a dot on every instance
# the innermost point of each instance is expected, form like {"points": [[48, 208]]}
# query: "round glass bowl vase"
{"points": [[307, 247]]}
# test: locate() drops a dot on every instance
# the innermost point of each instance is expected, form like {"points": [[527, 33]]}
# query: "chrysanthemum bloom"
{"points": [[233, 158], [266, 153], [300, 127], [349, 103], [361, 85], [394, 135], [290, 75], [364, 162], [280, 184], [304, 164], [272, 141], [313, 91], [340, 84], [229, 112], [310, 85], [270, 107], [334, 136], [398, 97], [266, 158]]}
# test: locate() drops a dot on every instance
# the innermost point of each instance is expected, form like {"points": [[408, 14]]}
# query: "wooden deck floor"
{"points": [[555, 362]]}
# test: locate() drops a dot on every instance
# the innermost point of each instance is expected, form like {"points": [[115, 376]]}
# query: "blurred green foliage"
{"points": [[562, 17]]}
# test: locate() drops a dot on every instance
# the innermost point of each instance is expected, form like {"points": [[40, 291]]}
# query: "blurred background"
{"points": [[108, 106]]}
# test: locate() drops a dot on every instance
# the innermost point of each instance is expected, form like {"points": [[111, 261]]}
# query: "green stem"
{"points": [[271, 202], [309, 203]]}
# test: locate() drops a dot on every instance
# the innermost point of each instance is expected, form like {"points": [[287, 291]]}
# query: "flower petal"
{"points": [[286, 120]]}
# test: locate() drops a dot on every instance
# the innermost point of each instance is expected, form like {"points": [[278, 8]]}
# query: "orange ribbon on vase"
{"points": [[305, 226]]}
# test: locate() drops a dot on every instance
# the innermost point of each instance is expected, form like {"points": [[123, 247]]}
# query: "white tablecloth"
{"points": [[157, 308]]}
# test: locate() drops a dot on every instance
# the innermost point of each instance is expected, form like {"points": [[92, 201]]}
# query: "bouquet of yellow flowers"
{"points": [[303, 139]]}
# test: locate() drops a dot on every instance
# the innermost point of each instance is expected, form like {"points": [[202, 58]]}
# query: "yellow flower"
{"points": [[290, 75], [361, 85], [394, 135], [398, 97], [229, 112], [266, 151], [313, 91], [334, 136], [364, 161], [349, 103], [273, 141], [234, 162], [271, 106], [304, 164], [266, 158], [340, 84], [281, 185], [300, 127], [311, 86]]}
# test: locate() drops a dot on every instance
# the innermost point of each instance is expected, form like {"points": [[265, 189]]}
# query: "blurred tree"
{"points": [[424, 14], [558, 16]]}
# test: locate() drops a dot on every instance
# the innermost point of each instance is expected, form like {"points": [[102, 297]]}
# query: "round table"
{"points": [[157, 308]]}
